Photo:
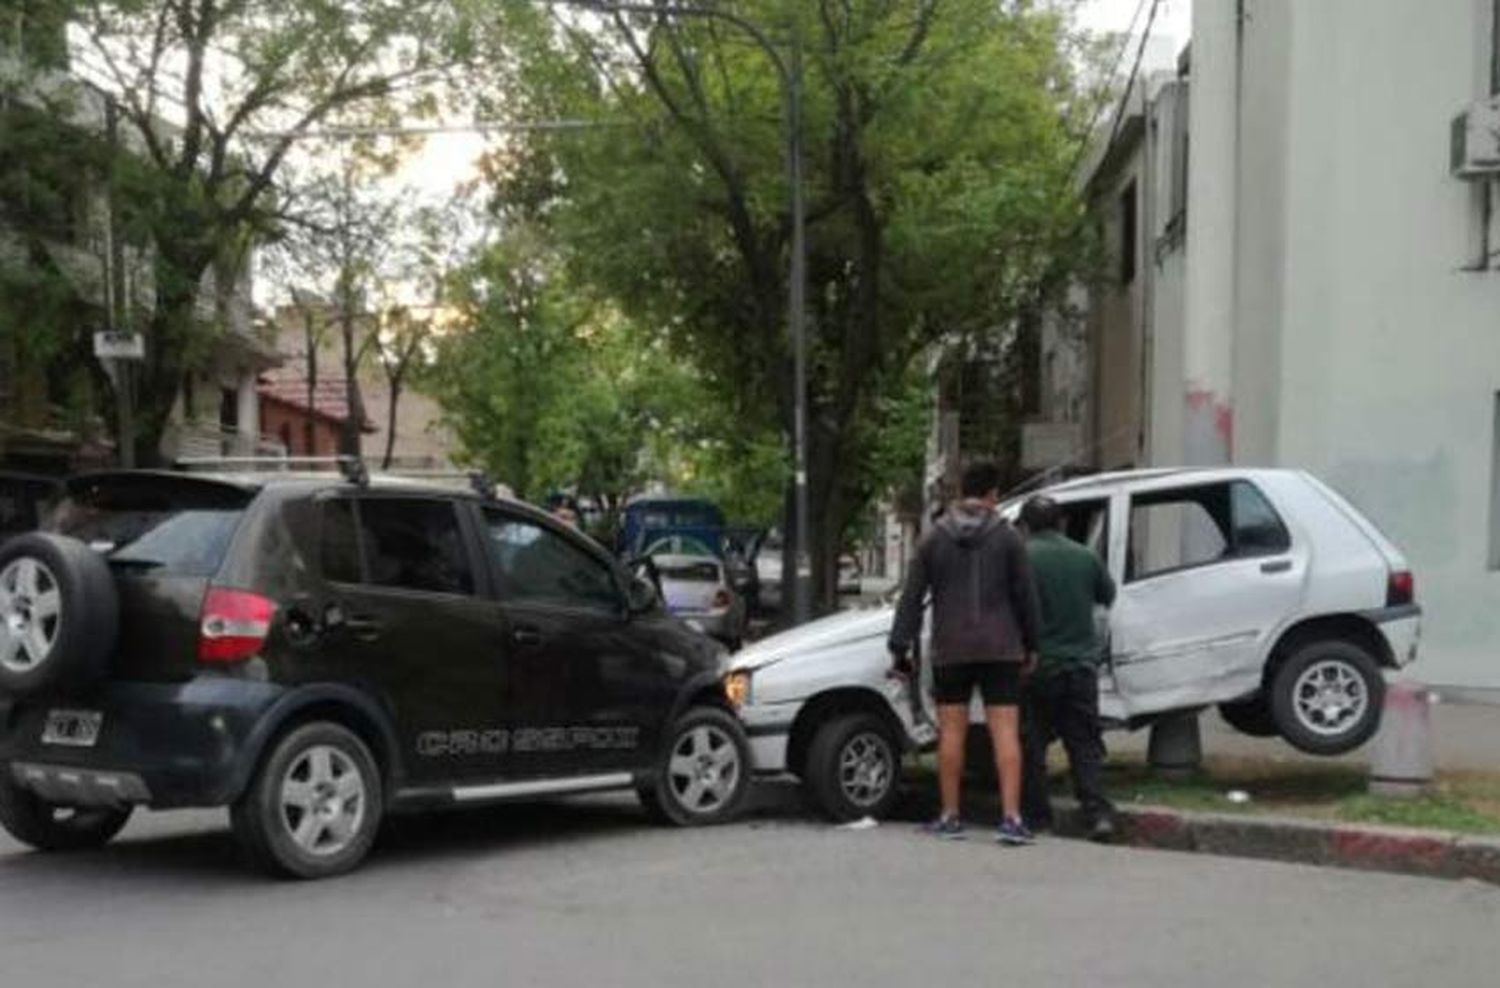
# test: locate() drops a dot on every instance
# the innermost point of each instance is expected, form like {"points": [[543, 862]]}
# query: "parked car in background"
{"points": [[851, 575], [1261, 591], [315, 652], [696, 588], [649, 518], [768, 572]]}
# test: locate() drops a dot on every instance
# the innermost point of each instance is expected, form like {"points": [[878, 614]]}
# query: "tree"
{"points": [[550, 388], [216, 94], [940, 142]]}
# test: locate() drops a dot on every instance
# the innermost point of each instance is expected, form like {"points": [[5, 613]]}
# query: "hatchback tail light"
{"points": [[233, 624], [722, 600], [1400, 589]]}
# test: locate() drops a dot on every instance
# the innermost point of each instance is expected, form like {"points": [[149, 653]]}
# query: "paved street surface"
{"points": [[588, 894]]}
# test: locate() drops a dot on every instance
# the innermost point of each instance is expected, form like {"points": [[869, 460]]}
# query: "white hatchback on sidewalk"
{"points": [[1262, 591]]}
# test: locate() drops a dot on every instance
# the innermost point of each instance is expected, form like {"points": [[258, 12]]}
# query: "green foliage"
{"points": [[939, 146], [547, 387], [245, 81]]}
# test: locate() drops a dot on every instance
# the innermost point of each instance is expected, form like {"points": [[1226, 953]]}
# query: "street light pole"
{"points": [[790, 77]]}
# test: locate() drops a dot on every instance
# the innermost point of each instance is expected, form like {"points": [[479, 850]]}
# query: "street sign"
{"points": [[116, 345]]}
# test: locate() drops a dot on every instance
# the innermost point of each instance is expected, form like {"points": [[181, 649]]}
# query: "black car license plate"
{"points": [[73, 728]]}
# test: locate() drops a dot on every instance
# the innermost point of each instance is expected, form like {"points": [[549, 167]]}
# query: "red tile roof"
{"points": [[330, 398]]}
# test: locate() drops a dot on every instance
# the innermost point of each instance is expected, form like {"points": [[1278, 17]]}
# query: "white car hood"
{"points": [[839, 629]]}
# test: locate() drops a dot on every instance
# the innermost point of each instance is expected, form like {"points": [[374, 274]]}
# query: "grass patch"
{"points": [[1461, 802]]}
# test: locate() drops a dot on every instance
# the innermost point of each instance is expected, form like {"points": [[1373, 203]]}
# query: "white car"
{"points": [[1262, 591]]}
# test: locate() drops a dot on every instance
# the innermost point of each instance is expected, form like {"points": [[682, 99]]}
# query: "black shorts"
{"points": [[998, 682]]}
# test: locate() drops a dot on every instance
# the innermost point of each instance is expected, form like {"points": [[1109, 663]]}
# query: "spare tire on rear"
{"points": [[59, 614]]}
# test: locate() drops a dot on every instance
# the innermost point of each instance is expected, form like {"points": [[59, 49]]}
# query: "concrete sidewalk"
{"points": [[1465, 737]]}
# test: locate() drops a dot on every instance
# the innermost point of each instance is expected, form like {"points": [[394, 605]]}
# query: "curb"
{"points": [[1434, 854], [1404, 851]]}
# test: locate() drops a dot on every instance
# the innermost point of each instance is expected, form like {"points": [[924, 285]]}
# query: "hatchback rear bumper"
{"points": [[1402, 629], [160, 744]]}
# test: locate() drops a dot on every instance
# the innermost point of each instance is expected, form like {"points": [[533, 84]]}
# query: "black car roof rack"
{"points": [[352, 468], [479, 480]]}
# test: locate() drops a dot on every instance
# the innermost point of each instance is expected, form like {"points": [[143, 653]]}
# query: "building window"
{"points": [[1127, 234], [229, 409]]}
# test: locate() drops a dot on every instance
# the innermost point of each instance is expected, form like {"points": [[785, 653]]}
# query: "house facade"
{"points": [[1325, 297], [422, 438], [66, 272]]}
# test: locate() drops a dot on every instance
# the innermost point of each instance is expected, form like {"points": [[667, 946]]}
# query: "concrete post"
{"points": [[1401, 760], [1176, 748]]}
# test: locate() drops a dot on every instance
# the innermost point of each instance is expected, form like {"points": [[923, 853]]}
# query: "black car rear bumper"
{"points": [[164, 745]]}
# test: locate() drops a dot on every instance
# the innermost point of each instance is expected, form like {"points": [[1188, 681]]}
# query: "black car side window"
{"points": [[338, 538], [536, 564], [414, 544]]}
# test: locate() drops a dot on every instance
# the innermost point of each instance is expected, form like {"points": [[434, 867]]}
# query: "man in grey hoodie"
{"points": [[985, 620]]}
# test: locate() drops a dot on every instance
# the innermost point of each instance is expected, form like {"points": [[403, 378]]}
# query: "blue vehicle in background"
{"points": [[651, 519]]}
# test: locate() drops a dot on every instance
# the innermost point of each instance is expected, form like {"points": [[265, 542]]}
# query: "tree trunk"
{"points": [[350, 434], [310, 341], [161, 374], [390, 425]]}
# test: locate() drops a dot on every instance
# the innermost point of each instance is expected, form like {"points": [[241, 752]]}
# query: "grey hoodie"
{"points": [[984, 605]]}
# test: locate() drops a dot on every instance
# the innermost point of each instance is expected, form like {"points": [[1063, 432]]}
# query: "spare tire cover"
{"points": [[59, 614]]}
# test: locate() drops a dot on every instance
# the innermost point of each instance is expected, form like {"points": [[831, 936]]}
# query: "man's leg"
{"points": [[1036, 736], [1077, 721], [953, 730], [1004, 724]]}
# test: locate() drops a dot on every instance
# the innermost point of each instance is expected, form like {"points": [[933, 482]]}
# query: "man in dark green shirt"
{"points": [[1062, 697]]}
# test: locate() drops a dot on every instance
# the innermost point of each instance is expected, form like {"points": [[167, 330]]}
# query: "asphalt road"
{"points": [[588, 894]]}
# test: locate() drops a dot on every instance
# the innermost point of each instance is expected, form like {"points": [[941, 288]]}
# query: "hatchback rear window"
{"points": [[169, 526], [699, 572]]}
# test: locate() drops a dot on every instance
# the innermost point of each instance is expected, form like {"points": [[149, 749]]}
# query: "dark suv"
{"points": [[315, 652]]}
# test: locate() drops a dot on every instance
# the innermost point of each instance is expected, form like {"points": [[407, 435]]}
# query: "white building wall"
{"points": [[1363, 349]]}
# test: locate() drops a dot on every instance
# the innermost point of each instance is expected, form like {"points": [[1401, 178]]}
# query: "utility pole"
{"points": [[117, 312]]}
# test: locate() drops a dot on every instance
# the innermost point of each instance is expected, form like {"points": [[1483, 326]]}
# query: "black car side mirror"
{"points": [[642, 596], [643, 585]]}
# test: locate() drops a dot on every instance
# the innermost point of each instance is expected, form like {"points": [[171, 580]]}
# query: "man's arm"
{"points": [[1024, 603], [1104, 584], [907, 625]]}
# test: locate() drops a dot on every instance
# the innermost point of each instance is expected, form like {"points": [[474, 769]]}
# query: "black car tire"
{"points": [[48, 827], [268, 820], [707, 740], [79, 632], [1251, 717], [1294, 689], [854, 768]]}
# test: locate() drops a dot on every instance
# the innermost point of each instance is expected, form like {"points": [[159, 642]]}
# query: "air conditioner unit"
{"points": [[1475, 150]]}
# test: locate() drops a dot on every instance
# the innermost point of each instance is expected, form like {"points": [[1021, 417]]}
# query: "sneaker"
{"points": [[945, 827], [1014, 833]]}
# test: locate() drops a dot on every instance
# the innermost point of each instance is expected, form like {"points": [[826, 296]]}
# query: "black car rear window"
{"points": [[169, 526]]}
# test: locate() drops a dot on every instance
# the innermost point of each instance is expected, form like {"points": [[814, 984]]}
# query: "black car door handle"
{"points": [[526, 637], [363, 627], [1276, 566]]}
